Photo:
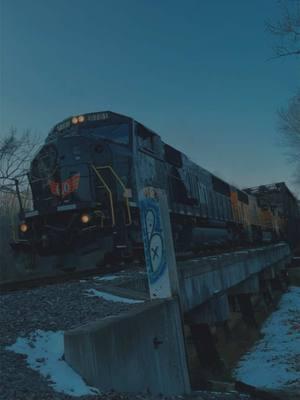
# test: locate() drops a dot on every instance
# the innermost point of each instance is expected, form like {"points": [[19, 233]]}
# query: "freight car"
{"points": [[285, 209], [85, 182]]}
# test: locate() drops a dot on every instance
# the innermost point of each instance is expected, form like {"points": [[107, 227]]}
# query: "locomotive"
{"points": [[85, 181]]}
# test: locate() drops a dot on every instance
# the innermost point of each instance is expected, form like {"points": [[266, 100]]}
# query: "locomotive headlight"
{"points": [[85, 218], [78, 120], [23, 228]]}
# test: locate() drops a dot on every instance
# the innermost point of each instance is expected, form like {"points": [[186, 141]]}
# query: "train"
{"points": [[85, 183]]}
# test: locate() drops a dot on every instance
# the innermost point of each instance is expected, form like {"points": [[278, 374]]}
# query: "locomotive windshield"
{"points": [[45, 163], [118, 133]]}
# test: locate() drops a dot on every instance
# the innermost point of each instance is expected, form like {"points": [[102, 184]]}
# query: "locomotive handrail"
{"points": [[123, 187], [109, 193]]}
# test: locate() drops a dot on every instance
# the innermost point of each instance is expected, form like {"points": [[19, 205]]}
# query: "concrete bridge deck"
{"points": [[207, 277], [201, 279]]}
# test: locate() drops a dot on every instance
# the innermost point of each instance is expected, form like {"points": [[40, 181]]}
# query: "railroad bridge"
{"points": [[145, 349]]}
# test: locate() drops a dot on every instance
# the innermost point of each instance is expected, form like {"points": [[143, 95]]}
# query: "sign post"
{"points": [[158, 243]]}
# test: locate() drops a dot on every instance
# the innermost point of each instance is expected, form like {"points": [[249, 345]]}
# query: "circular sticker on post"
{"points": [[153, 240], [156, 252]]}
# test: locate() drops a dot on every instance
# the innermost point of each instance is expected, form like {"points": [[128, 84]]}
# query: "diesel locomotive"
{"points": [[85, 181]]}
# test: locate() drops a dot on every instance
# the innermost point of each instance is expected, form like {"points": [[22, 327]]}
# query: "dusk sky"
{"points": [[194, 71]]}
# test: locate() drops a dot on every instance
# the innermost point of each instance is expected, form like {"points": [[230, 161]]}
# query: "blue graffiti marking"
{"points": [[150, 222], [153, 239], [154, 251]]}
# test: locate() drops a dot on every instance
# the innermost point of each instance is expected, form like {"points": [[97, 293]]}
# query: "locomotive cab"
{"points": [[79, 181]]}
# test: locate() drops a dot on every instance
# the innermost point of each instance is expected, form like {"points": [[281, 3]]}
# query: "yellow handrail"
{"points": [[109, 193], [123, 187]]}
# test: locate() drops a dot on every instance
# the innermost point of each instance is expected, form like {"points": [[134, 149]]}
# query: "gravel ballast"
{"points": [[55, 308]]}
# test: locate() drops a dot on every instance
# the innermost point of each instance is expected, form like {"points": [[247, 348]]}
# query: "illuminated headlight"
{"points": [[85, 218], [78, 120], [23, 228]]}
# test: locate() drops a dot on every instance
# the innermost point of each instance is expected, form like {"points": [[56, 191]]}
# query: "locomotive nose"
{"points": [[74, 169], [73, 150]]}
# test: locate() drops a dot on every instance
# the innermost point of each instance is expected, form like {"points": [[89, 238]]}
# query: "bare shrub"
{"points": [[16, 152]]}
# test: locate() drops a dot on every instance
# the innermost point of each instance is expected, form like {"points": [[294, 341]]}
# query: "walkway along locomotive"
{"points": [[85, 181]]}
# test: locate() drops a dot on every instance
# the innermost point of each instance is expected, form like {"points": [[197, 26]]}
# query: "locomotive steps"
{"points": [[146, 349]]}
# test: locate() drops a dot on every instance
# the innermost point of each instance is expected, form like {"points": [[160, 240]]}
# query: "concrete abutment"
{"points": [[145, 350], [139, 351]]}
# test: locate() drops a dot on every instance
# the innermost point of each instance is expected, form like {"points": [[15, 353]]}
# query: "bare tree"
{"points": [[287, 29], [289, 124], [287, 32], [16, 153]]}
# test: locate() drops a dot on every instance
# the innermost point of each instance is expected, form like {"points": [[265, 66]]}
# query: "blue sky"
{"points": [[194, 71]]}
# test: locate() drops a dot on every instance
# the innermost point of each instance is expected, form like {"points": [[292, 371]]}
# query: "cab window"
{"points": [[118, 133], [145, 138]]}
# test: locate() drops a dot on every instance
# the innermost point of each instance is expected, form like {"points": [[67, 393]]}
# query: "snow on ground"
{"points": [[44, 350], [274, 362], [111, 297]]}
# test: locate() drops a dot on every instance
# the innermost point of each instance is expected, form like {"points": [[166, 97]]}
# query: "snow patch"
{"points": [[111, 297], [44, 350], [274, 362], [106, 278]]}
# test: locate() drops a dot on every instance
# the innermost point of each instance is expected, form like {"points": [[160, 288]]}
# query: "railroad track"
{"points": [[71, 276]]}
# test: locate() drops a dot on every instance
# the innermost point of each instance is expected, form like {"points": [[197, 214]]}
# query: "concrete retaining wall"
{"points": [[142, 350]]}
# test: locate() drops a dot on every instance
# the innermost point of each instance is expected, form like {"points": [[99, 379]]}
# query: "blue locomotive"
{"points": [[85, 182]]}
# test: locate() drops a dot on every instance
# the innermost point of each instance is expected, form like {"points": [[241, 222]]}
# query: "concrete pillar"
{"points": [[266, 291], [277, 283], [204, 343], [215, 311], [232, 303], [285, 277], [226, 330], [247, 310]]}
